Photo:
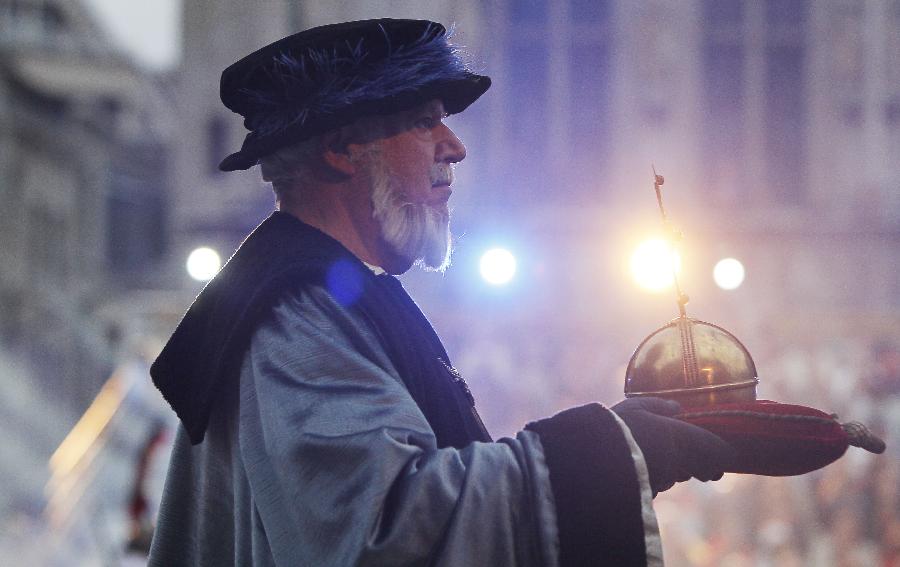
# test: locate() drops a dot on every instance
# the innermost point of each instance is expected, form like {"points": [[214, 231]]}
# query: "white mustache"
{"points": [[441, 174]]}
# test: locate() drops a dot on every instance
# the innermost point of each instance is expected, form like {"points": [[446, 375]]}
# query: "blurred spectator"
{"points": [[889, 541], [884, 382], [843, 543]]}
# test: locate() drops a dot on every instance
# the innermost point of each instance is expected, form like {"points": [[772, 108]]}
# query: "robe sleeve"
{"points": [[343, 468]]}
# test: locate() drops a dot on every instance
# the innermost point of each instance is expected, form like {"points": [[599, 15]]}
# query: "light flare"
{"points": [[728, 273], [498, 266], [203, 263], [654, 264]]}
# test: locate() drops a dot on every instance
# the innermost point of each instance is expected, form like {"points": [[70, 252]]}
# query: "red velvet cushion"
{"points": [[773, 439]]}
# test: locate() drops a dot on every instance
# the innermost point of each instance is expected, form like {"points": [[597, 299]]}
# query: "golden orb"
{"points": [[693, 362]]}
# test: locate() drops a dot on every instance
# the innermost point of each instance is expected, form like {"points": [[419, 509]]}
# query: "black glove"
{"points": [[674, 450]]}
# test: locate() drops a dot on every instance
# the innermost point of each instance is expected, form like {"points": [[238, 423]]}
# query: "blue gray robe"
{"points": [[318, 455]]}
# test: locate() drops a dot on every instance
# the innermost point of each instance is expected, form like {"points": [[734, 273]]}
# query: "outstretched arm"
{"points": [[344, 469]]}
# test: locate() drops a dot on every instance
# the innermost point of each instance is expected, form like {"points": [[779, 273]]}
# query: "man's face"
{"points": [[410, 176], [423, 145]]}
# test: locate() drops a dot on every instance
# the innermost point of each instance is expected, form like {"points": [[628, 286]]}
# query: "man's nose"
{"points": [[450, 148]]}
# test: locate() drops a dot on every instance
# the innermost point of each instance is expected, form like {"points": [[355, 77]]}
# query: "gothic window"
{"points": [[528, 11], [785, 99], [892, 112], [136, 215], [589, 11], [892, 47], [724, 85], [589, 117], [723, 13], [527, 120], [786, 13], [52, 17], [217, 142]]}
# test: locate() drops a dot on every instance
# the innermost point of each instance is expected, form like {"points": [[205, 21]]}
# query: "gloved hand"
{"points": [[674, 450]]}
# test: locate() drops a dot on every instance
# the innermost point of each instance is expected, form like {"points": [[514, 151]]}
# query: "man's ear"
{"points": [[336, 153]]}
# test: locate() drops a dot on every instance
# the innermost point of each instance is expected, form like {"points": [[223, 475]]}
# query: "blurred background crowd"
{"points": [[775, 122], [847, 514]]}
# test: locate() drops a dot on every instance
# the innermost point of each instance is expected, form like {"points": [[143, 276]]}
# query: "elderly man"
{"points": [[322, 420]]}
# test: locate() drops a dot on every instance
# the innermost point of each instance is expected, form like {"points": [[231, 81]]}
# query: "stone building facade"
{"points": [[775, 123]]}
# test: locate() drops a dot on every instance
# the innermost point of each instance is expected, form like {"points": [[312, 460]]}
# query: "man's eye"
{"points": [[427, 122]]}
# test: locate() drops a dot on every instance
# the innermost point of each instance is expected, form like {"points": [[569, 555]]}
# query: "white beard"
{"points": [[416, 231]]}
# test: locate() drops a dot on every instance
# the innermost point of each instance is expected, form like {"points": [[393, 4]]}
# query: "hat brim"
{"points": [[456, 96]]}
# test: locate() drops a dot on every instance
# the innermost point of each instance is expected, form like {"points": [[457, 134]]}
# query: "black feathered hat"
{"points": [[327, 77]]}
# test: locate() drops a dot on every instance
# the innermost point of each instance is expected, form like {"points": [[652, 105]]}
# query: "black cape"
{"points": [[204, 353]]}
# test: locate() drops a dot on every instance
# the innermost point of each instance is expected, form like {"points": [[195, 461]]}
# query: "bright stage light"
{"points": [[498, 266], [652, 264], [203, 263], [728, 273]]}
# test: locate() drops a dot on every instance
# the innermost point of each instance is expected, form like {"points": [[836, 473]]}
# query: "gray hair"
{"points": [[289, 168]]}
